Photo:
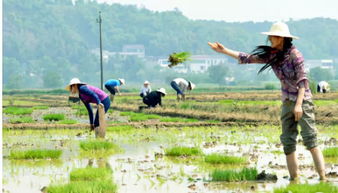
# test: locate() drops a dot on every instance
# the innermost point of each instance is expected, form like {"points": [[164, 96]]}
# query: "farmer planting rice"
{"points": [[112, 86], [154, 98], [89, 94], [288, 65], [146, 89], [180, 85]]}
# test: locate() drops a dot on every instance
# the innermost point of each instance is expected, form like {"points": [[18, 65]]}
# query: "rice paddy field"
{"points": [[212, 142]]}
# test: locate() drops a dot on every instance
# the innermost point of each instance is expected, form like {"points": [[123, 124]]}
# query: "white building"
{"points": [[196, 64], [127, 50]]}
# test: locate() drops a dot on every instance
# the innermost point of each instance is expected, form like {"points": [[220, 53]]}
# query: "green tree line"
{"points": [[47, 42]]}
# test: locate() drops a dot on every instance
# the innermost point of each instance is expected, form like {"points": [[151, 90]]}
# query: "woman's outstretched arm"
{"points": [[218, 47]]}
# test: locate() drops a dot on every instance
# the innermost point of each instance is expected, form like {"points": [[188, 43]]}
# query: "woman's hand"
{"points": [[218, 47], [298, 112]]}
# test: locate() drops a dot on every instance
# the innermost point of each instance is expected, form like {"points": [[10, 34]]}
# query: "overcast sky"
{"points": [[243, 10]]}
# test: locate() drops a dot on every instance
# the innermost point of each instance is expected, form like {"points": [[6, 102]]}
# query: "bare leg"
{"points": [[183, 97], [111, 98], [318, 160], [178, 97], [292, 163]]}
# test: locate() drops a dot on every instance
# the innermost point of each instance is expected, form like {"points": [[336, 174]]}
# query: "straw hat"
{"points": [[162, 90], [72, 82], [192, 85], [122, 81], [280, 29], [146, 82]]}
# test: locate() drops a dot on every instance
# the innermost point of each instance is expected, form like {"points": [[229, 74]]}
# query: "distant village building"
{"points": [[327, 64], [197, 64], [127, 50]]}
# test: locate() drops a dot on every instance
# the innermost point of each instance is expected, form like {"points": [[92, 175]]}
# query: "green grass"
{"points": [[18, 111], [80, 110], [223, 159], [245, 174], [97, 145], [35, 154], [120, 128], [91, 174], [308, 188], [139, 116], [40, 107], [177, 119], [183, 151], [84, 187], [68, 121], [237, 102], [330, 152], [54, 117], [21, 120]]}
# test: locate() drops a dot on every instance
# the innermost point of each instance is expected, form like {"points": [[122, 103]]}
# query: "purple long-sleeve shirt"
{"points": [[290, 72], [90, 94]]}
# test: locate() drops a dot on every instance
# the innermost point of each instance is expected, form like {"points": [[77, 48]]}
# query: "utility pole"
{"points": [[99, 20]]}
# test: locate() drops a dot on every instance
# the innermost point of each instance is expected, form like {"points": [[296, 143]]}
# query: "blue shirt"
{"points": [[112, 82]]}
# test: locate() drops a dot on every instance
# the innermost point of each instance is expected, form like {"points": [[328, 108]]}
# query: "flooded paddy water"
{"points": [[141, 164]]}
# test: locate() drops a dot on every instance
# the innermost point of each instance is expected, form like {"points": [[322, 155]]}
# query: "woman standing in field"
{"points": [[89, 94], [288, 65]]}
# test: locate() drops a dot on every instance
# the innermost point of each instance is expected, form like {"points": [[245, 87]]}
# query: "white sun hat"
{"points": [[192, 85], [280, 29], [122, 81], [162, 90], [72, 82], [146, 82]]}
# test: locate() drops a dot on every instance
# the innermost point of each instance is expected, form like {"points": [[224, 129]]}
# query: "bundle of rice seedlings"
{"points": [[177, 58]]}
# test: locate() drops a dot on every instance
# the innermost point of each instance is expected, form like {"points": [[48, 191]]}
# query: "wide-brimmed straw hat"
{"points": [[72, 82], [122, 81], [146, 82], [192, 85], [280, 29], [162, 90]]}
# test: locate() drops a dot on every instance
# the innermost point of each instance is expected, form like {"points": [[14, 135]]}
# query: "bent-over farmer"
{"points": [[180, 85], [154, 98], [112, 85], [89, 94]]}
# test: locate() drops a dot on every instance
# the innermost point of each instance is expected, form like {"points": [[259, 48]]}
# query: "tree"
{"points": [[52, 79], [319, 74], [217, 73]]}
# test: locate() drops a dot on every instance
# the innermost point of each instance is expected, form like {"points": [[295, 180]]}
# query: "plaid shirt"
{"points": [[290, 72]]}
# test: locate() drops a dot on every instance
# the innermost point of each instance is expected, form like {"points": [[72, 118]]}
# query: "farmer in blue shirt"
{"points": [[112, 86]]}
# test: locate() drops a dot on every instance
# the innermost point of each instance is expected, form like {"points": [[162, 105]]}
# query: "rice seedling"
{"points": [[120, 128], [68, 121], [84, 187], [330, 152], [308, 188], [91, 174], [21, 120], [223, 159], [177, 119], [36, 163], [177, 58], [35, 154], [54, 117], [18, 111], [244, 174], [139, 116], [95, 145], [183, 151], [40, 107], [80, 110]]}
